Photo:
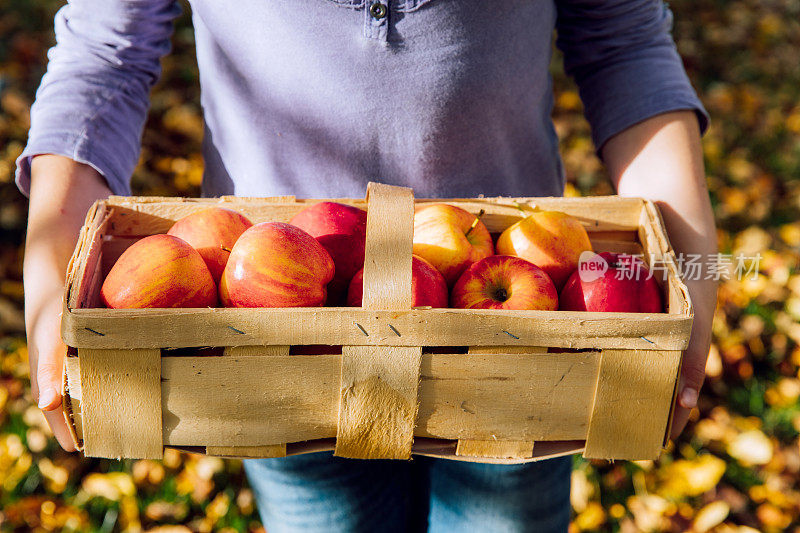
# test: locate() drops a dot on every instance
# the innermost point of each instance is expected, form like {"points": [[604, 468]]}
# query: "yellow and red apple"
{"points": [[504, 282], [450, 238], [274, 264], [342, 230], [159, 271], [212, 232], [551, 240], [428, 287]]}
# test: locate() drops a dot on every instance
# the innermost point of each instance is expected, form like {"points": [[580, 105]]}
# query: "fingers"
{"points": [[57, 422], [50, 379], [679, 419], [47, 352], [49, 372], [693, 373]]}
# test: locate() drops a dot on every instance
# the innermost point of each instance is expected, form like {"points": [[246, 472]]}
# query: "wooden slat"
{"points": [[618, 247], [249, 401], [136, 216], [655, 243], [679, 301], [596, 213], [496, 449], [72, 399], [121, 403], [113, 248], [631, 405], [134, 219], [476, 350], [248, 452], [83, 281], [436, 448], [501, 449], [179, 328], [147, 215], [293, 399], [263, 351]]}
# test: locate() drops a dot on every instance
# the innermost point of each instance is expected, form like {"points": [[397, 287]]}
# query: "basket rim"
{"points": [[95, 328]]}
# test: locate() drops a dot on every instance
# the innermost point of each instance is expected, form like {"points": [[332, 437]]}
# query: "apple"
{"points": [[342, 230], [504, 282], [612, 282], [551, 240], [274, 264], [428, 287], [450, 238], [212, 232], [159, 271]]}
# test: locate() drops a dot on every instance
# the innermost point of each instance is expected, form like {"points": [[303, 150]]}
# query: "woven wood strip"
{"points": [[121, 403], [379, 384], [643, 382]]}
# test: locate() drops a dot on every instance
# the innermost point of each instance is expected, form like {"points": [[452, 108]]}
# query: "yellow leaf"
{"points": [[710, 516], [691, 477], [569, 101], [581, 491], [592, 518], [790, 233], [751, 241], [218, 507], [617, 511], [571, 191], [56, 477], [112, 486], [751, 448]]}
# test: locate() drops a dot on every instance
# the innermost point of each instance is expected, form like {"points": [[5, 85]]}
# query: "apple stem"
{"points": [[225, 249], [475, 222]]}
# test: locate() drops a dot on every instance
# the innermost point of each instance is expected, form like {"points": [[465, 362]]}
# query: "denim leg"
{"points": [[466, 497], [321, 493]]}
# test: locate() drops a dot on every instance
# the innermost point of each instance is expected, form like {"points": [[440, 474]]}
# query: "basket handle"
{"points": [[378, 402], [387, 258]]}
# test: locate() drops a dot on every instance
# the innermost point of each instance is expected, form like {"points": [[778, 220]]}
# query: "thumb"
{"points": [[693, 373], [50, 377]]}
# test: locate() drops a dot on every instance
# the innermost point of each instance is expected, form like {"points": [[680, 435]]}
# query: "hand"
{"points": [[61, 193], [693, 368], [661, 159]]}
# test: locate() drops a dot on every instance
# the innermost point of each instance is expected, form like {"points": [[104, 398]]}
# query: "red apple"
{"points": [[504, 282], [342, 230], [551, 240], [612, 282], [450, 238], [159, 271], [428, 288], [212, 232], [274, 264]]}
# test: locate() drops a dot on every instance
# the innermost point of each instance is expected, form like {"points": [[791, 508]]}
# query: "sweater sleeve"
{"points": [[625, 63], [92, 102]]}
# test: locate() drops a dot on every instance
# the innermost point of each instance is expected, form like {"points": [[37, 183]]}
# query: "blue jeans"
{"points": [[321, 493]]}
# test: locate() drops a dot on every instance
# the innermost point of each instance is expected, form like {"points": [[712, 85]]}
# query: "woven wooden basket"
{"points": [[490, 386]]}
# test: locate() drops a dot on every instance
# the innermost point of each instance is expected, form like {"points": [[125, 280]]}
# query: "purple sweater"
{"points": [[317, 97]]}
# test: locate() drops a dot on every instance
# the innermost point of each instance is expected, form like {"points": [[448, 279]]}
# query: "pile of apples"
{"points": [[217, 255]]}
